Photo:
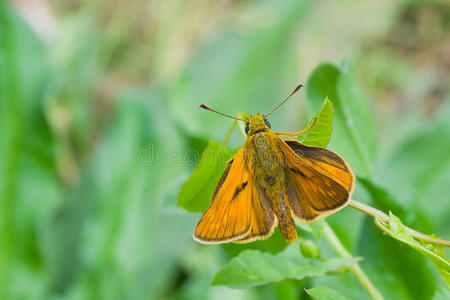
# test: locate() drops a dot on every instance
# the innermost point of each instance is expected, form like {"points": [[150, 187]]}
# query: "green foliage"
{"points": [[405, 262], [324, 293], [100, 129], [354, 127], [320, 134], [252, 268], [309, 249], [396, 229]]}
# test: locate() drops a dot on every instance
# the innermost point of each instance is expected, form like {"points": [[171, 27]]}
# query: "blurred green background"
{"points": [[100, 127]]}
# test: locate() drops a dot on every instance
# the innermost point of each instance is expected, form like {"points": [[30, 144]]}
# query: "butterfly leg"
{"points": [[299, 132]]}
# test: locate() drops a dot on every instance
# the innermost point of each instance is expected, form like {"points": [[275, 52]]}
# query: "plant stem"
{"points": [[378, 214], [355, 268], [228, 134]]}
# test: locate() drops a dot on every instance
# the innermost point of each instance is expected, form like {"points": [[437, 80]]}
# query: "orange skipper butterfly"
{"points": [[272, 180]]}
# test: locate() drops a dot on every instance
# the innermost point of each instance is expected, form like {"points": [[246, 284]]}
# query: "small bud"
{"points": [[309, 249]]}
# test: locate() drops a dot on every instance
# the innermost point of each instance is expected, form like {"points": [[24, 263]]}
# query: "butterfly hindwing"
{"points": [[263, 219], [319, 181]]}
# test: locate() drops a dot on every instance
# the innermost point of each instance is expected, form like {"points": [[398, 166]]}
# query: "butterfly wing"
{"points": [[228, 218], [263, 219], [319, 181]]}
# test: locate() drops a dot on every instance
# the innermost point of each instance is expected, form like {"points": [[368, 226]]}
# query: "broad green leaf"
{"points": [[354, 128], [253, 268], [396, 229], [382, 199], [324, 293], [418, 173], [195, 194], [320, 134]]}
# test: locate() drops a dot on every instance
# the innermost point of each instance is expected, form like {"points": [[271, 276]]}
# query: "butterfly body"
{"points": [[263, 155], [271, 181]]}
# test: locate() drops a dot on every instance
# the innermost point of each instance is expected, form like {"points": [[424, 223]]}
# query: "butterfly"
{"points": [[272, 180]]}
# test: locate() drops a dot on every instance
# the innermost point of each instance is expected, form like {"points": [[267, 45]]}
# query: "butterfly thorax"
{"points": [[263, 154]]}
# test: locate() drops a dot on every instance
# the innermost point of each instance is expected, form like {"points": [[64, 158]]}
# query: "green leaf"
{"points": [[324, 293], [354, 128], [382, 199], [287, 290], [320, 134], [253, 268], [195, 194], [442, 293], [309, 249], [418, 173], [315, 228], [396, 229]]}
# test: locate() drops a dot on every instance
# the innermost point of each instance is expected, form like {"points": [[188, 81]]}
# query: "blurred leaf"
{"points": [[320, 134], [309, 249], [195, 194], [315, 228], [396, 229], [244, 62], [354, 129], [382, 199], [442, 293], [29, 183], [252, 268], [287, 290], [324, 293], [418, 173]]}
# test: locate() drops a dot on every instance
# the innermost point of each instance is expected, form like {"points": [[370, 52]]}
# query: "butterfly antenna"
{"points": [[282, 102], [222, 114]]}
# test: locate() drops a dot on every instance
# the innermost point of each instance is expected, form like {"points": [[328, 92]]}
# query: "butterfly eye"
{"points": [[246, 128], [267, 123]]}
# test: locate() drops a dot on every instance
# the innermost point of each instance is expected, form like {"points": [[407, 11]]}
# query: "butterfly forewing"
{"points": [[326, 162], [228, 217]]}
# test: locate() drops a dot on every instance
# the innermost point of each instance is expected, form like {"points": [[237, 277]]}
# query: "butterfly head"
{"points": [[256, 124]]}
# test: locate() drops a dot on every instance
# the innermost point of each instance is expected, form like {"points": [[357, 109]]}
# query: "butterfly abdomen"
{"points": [[286, 223]]}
